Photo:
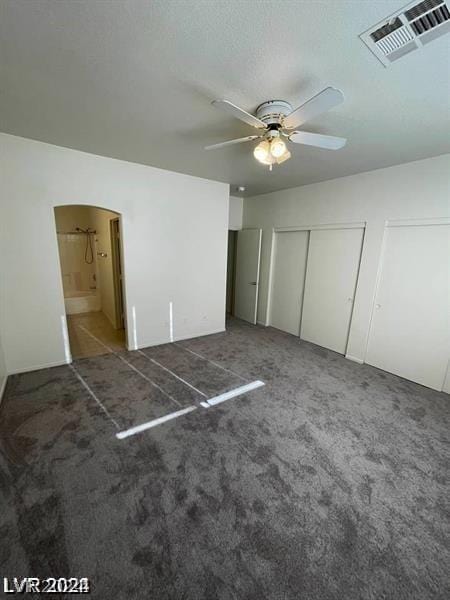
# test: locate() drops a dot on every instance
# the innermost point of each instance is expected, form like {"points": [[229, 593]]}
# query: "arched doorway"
{"points": [[91, 260]]}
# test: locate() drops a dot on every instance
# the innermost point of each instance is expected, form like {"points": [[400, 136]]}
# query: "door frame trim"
{"points": [[117, 266], [417, 222], [350, 225], [258, 275]]}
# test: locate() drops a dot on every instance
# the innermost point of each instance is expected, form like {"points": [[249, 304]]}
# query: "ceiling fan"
{"points": [[276, 120]]}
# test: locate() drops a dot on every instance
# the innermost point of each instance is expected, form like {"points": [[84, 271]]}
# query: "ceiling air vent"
{"points": [[410, 28]]}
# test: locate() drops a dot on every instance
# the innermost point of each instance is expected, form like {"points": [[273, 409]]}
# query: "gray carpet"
{"points": [[328, 483]]}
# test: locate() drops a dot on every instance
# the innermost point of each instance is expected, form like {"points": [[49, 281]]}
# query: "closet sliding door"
{"points": [[290, 254], [410, 324], [331, 277]]}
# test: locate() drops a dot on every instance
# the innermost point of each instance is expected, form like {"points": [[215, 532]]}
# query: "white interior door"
{"points": [[410, 323], [288, 280], [331, 276], [248, 254]]}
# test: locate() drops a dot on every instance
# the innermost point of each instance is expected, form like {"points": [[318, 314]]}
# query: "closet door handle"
{"points": [[253, 283]]}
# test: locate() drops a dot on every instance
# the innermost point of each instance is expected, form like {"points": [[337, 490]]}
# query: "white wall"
{"points": [[174, 233], [410, 191], [235, 213]]}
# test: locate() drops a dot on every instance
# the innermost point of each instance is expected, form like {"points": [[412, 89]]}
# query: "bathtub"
{"points": [[82, 302]]}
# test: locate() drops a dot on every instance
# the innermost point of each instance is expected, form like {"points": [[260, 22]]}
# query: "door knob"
{"points": [[253, 283], [377, 305]]}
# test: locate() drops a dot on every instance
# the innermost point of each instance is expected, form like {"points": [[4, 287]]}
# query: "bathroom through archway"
{"points": [[91, 260]]}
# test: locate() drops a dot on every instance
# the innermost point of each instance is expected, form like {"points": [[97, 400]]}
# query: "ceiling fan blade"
{"points": [[330, 142], [323, 101], [248, 138], [239, 113]]}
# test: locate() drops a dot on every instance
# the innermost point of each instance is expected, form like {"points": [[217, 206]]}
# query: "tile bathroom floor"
{"points": [[91, 334]]}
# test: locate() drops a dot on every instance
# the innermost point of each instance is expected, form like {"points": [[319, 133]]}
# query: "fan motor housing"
{"points": [[272, 112]]}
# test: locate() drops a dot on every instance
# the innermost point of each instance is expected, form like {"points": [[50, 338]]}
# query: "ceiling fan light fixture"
{"points": [[277, 147], [276, 122], [262, 152], [268, 161], [272, 151], [284, 157]]}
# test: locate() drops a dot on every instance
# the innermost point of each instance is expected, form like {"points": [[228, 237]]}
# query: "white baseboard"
{"points": [[148, 344], [262, 323], [354, 359], [189, 336], [58, 363]]}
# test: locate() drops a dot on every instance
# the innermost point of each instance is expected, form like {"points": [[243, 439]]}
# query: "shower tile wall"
{"points": [[77, 275]]}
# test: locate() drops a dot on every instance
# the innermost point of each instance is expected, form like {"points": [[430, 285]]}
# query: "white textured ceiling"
{"points": [[134, 80]]}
